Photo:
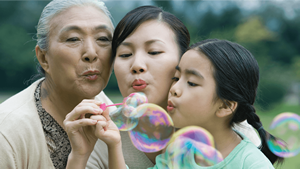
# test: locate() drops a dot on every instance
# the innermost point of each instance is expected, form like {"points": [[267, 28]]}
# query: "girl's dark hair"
{"points": [[137, 16], [236, 73]]}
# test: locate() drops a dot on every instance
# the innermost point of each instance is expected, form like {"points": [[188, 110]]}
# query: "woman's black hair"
{"points": [[137, 16], [236, 73]]}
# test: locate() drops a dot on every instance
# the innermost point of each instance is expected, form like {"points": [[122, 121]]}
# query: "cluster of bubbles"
{"points": [[151, 129], [188, 146], [287, 127], [149, 126]]}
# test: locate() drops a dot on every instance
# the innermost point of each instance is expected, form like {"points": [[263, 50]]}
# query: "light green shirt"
{"points": [[244, 156]]}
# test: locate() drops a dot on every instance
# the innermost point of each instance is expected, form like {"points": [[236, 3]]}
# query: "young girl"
{"points": [[214, 87]]}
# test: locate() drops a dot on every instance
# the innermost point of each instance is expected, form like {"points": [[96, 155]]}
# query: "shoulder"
{"points": [[245, 128], [19, 109], [99, 156], [103, 98], [133, 157], [20, 125], [251, 157], [19, 101]]}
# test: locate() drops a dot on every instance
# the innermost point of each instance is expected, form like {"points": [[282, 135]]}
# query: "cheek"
{"points": [[106, 55], [121, 73], [119, 70], [163, 79], [63, 57]]}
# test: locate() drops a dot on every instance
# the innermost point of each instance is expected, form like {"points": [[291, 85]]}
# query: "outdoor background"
{"points": [[269, 29]]}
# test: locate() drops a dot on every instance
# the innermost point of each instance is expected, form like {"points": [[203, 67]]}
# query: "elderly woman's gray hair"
{"points": [[54, 8]]}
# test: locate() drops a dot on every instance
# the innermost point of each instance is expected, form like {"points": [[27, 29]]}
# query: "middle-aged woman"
{"points": [[147, 45], [74, 52]]}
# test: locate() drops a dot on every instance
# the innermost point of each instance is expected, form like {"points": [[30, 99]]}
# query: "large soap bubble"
{"points": [[191, 146], [287, 127], [154, 130]]}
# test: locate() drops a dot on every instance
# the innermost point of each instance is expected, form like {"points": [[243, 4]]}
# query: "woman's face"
{"points": [[146, 60], [192, 95], [79, 51]]}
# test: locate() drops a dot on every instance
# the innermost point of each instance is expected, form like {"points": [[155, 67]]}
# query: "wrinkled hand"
{"points": [[106, 130], [81, 129]]}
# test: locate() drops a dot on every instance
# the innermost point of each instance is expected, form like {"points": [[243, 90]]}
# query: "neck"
{"points": [[225, 139], [56, 102]]}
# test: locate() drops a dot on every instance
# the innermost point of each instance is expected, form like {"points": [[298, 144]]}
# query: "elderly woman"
{"points": [[74, 52]]}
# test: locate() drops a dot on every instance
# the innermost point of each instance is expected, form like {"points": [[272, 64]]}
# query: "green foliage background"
{"points": [[265, 30], [269, 29]]}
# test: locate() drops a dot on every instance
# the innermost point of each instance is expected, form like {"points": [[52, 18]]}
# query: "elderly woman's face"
{"points": [[79, 51], [146, 60]]}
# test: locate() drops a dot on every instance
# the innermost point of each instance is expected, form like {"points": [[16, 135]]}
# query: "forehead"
{"points": [[193, 59], [153, 29], [81, 16]]}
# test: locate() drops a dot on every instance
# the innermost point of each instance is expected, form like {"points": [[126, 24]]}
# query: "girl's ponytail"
{"points": [[254, 120]]}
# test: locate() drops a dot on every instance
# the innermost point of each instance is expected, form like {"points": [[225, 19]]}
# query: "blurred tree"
{"points": [[17, 57], [253, 31], [296, 67], [7, 9], [266, 31]]}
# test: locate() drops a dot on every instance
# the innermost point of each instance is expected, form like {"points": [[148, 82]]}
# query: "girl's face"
{"points": [[145, 62], [192, 95]]}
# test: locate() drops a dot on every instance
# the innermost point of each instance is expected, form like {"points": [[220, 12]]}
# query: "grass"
{"points": [[265, 116]]}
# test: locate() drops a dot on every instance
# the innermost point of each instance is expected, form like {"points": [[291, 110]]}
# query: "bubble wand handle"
{"points": [[103, 105]]}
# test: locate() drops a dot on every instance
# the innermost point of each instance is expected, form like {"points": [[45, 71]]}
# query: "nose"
{"points": [[139, 65], [89, 51], [175, 90]]}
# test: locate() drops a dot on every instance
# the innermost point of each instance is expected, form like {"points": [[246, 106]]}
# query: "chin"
{"points": [[90, 94]]}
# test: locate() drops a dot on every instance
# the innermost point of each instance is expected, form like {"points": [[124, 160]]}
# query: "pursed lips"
{"points": [[91, 74], [139, 84], [170, 106]]}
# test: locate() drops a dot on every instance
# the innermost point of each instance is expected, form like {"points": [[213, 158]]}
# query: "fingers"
{"points": [[83, 108], [101, 124], [105, 113], [100, 129], [73, 126], [98, 118]]}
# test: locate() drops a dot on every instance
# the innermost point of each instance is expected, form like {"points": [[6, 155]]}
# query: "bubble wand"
{"points": [[103, 106]]}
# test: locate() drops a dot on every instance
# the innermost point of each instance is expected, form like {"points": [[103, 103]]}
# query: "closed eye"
{"points": [[175, 79], [104, 39], [73, 39], [192, 84], [154, 53], [125, 55]]}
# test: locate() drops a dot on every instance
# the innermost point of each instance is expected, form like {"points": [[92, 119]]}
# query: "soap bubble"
{"points": [[189, 147], [123, 122], [286, 126], [154, 130]]}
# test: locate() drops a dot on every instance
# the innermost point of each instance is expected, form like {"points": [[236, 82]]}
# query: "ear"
{"points": [[41, 56], [226, 108]]}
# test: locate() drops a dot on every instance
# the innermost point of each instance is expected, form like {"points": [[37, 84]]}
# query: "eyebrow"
{"points": [[103, 27], [153, 41], [147, 42], [73, 27], [188, 71]]}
